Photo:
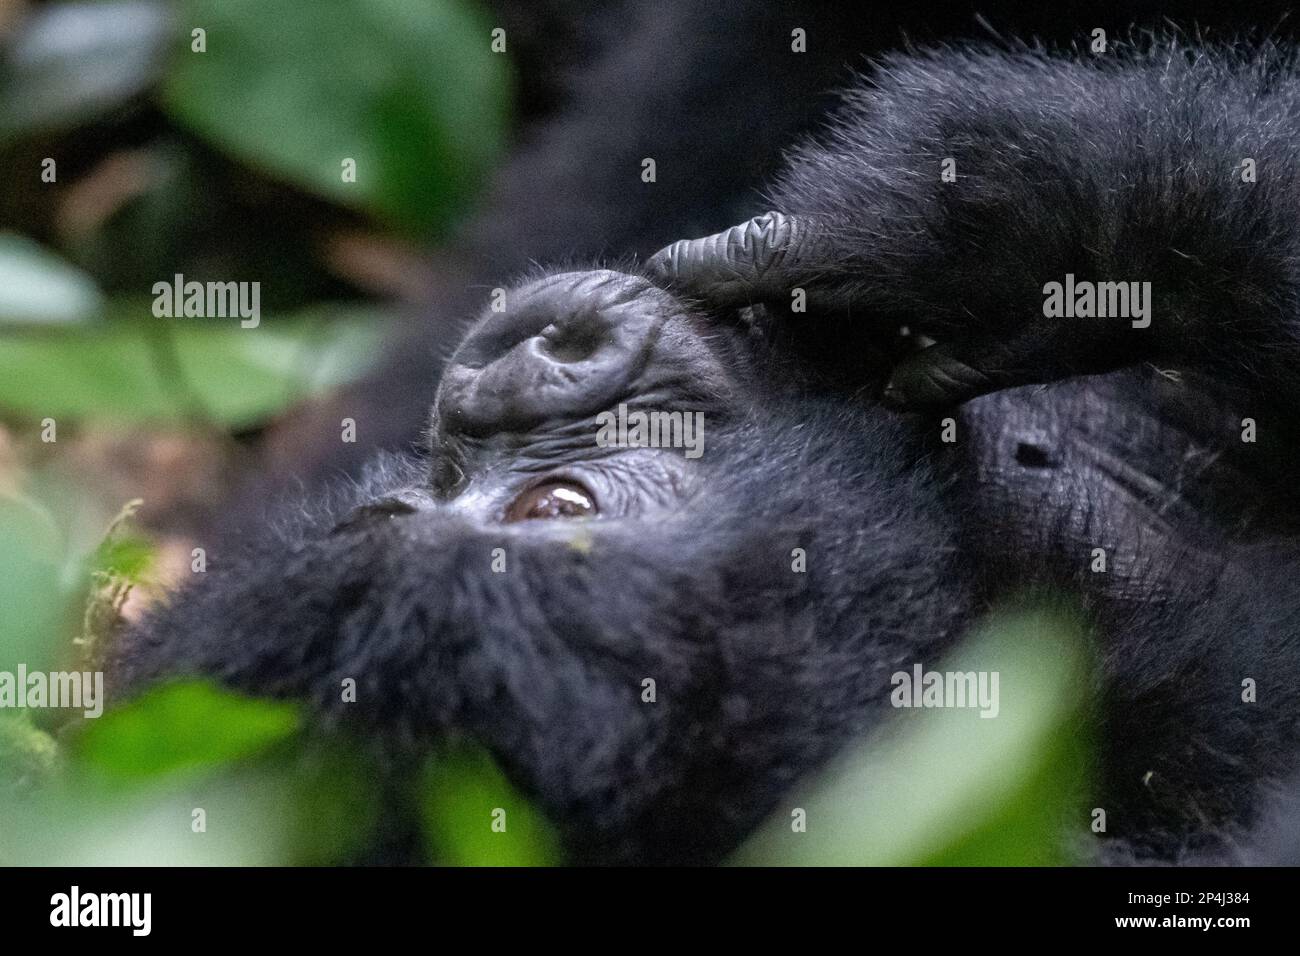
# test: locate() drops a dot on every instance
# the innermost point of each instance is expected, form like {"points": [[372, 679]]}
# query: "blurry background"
{"points": [[133, 149], [319, 148]]}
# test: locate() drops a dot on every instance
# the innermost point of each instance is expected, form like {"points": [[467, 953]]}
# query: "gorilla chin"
{"points": [[521, 582]]}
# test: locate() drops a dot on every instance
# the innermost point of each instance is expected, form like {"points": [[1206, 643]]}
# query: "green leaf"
{"points": [[410, 91], [69, 62], [949, 787], [28, 755], [185, 726], [136, 369], [310, 803], [33, 607], [129, 558], [330, 811], [37, 286], [464, 796], [30, 525]]}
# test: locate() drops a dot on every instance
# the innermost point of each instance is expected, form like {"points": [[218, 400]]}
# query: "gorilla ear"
{"points": [[756, 261], [400, 503]]}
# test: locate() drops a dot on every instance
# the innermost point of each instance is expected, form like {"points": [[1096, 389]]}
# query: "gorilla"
{"points": [[517, 581]]}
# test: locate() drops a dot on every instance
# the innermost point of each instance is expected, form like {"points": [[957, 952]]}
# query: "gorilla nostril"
{"points": [[568, 346], [1033, 456], [578, 341]]}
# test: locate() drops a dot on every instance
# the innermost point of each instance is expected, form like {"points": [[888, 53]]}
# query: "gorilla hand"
{"points": [[768, 258], [759, 261]]}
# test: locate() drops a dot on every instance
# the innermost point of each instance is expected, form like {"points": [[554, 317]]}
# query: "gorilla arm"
{"points": [[953, 189]]}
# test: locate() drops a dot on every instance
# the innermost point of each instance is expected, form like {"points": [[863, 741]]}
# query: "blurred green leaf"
{"points": [[160, 369], [309, 802], [464, 794], [29, 525], [37, 286], [33, 608], [949, 787], [129, 558], [83, 822], [409, 90], [330, 801], [185, 726], [69, 62], [28, 754]]}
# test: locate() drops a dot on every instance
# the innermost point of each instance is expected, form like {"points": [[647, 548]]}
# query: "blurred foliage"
{"points": [[28, 755], [160, 788], [948, 787], [130, 157], [474, 817], [123, 788], [183, 727], [133, 156], [36, 607], [161, 369], [128, 787], [39, 287], [129, 558], [73, 61], [403, 89]]}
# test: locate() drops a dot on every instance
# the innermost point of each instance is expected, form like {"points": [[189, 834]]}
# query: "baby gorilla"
{"points": [[469, 593], [523, 581]]}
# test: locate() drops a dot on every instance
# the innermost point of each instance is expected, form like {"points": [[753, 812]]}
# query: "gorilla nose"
{"points": [[567, 346]]}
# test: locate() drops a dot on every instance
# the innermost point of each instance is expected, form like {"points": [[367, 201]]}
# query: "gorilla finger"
{"points": [[946, 374], [754, 261]]}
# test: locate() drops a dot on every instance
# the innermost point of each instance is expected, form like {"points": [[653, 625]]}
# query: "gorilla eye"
{"points": [[557, 498]]}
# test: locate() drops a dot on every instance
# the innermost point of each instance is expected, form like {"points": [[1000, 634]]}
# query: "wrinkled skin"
{"points": [[622, 564]]}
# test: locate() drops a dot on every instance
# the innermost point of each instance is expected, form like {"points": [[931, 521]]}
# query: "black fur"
{"points": [[1107, 167], [761, 673]]}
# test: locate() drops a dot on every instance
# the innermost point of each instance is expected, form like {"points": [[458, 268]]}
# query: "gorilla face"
{"points": [[655, 647]]}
